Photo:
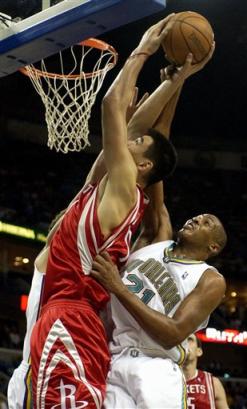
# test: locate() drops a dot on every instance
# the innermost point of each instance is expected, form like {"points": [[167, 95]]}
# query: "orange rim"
{"points": [[90, 42]]}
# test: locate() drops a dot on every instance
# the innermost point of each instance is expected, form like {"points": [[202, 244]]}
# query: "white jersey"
{"points": [[162, 283], [33, 308], [19, 388]]}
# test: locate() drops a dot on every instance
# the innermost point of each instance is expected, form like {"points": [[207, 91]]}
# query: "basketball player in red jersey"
{"points": [[68, 346], [204, 391]]}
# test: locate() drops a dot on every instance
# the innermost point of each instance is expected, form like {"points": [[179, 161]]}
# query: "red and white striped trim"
{"points": [[210, 388]]}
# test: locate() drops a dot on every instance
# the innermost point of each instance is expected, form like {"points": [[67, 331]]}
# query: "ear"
{"points": [[214, 248], [199, 352], [145, 165]]}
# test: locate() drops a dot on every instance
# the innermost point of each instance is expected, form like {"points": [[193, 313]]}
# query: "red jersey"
{"points": [[78, 240], [200, 391]]}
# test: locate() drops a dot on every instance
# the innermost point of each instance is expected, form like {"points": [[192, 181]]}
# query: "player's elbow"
{"points": [[169, 343]]}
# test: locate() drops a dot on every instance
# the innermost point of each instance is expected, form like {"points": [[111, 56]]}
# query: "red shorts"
{"points": [[70, 357]]}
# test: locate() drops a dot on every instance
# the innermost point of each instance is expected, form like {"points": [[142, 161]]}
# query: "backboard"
{"points": [[48, 26]]}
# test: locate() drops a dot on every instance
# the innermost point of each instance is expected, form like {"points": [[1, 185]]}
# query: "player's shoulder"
{"points": [[203, 373], [213, 272], [212, 278]]}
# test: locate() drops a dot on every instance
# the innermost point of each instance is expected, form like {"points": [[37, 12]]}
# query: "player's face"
{"points": [[139, 146], [193, 350], [200, 226]]}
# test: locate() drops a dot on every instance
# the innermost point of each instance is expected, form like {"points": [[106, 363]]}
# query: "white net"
{"points": [[69, 97]]}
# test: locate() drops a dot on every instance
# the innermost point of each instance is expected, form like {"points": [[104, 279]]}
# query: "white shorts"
{"points": [[19, 388], [139, 381]]}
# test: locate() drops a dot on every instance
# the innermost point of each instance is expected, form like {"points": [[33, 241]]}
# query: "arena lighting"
{"points": [[23, 302], [233, 294], [22, 232], [228, 336]]}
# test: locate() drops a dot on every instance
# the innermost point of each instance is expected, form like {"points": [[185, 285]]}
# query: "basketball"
{"points": [[190, 33]]}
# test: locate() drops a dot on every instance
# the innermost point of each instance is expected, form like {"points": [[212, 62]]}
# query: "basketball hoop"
{"points": [[69, 96]]}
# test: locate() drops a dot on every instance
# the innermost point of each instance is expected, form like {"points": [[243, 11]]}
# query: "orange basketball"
{"points": [[190, 33]]}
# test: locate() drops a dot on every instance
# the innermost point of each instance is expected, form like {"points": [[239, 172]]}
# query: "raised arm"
{"points": [[168, 332], [164, 121], [119, 185], [157, 108], [117, 157], [156, 223]]}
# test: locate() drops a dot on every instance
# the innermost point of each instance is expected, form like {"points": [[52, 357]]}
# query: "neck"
{"points": [[189, 370], [182, 250]]}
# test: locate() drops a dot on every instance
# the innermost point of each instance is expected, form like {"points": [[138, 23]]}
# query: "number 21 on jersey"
{"points": [[137, 287]]}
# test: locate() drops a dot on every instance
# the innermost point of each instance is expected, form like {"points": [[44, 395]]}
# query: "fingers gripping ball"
{"points": [[190, 33]]}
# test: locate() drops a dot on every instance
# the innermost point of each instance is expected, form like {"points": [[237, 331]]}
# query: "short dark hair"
{"points": [[220, 236], [163, 155]]}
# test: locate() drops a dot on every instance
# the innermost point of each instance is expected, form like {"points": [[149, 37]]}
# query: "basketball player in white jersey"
{"points": [[167, 291], [19, 388], [204, 390]]}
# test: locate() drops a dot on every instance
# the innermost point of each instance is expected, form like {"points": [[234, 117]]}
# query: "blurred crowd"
{"points": [[10, 335], [37, 183], [236, 394]]}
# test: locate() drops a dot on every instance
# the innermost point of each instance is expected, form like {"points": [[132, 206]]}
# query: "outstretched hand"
{"points": [[173, 72], [154, 36], [106, 272], [189, 68]]}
